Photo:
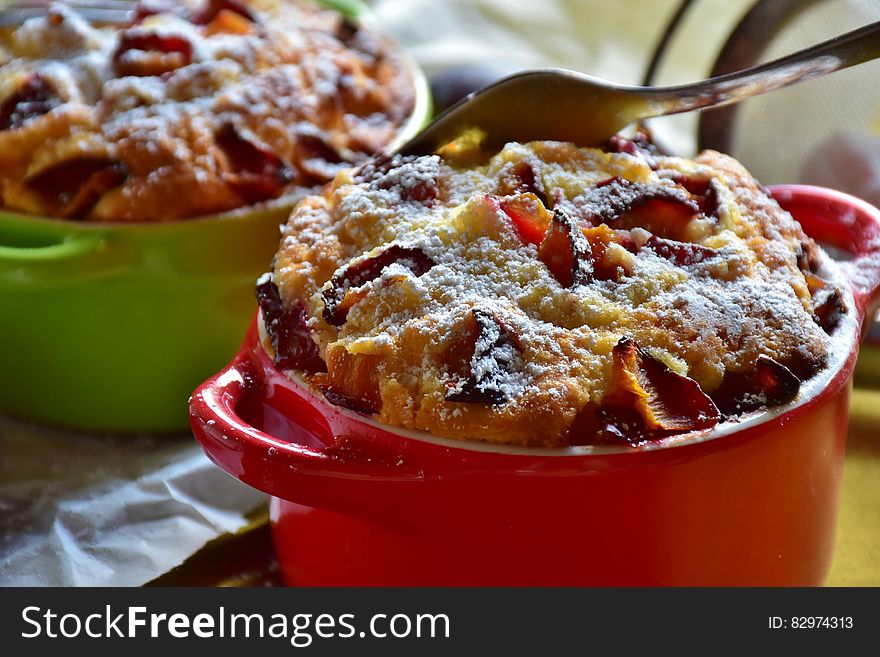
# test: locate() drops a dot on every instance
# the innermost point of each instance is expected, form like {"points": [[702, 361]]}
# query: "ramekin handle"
{"points": [[848, 223], [293, 467]]}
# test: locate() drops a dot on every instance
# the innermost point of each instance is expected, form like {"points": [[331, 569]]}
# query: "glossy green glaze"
{"points": [[109, 327]]}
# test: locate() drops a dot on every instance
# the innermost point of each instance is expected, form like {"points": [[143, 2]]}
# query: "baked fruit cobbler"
{"points": [[550, 295], [194, 108]]}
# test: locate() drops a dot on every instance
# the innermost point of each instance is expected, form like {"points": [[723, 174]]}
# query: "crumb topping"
{"points": [[216, 104], [556, 295]]}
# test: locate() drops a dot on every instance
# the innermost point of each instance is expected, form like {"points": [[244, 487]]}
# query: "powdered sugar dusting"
{"points": [[703, 318], [156, 94]]}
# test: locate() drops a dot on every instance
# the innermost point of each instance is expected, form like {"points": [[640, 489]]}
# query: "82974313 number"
{"points": [[811, 623]]}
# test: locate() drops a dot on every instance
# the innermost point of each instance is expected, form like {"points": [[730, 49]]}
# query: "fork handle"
{"points": [[841, 52]]}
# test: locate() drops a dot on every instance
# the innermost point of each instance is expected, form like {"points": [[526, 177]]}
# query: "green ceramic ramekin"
{"points": [[109, 327]]}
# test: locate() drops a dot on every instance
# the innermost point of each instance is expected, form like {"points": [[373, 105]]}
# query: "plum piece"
{"points": [[600, 238], [493, 355], [143, 54], [212, 8], [407, 174], [647, 400], [703, 192], [341, 294], [522, 180], [316, 158], [661, 209], [680, 254], [228, 22], [32, 99], [828, 304], [566, 251], [350, 380], [74, 186], [257, 173], [770, 383], [640, 143], [529, 215], [288, 331], [808, 258]]}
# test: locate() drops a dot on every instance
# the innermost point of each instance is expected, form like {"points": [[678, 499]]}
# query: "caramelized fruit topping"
{"points": [[492, 357], [600, 238], [661, 209], [529, 215], [350, 380], [341, 294], [32, 99], [647, 400], [680, 254], [316, 158], [74, 186], [828, 304], [142, 54], [257, 172], [808, 259], [769, 384], [704, 193], [380, 173], [212, 9], [566, 251], [640, 143], [288, 331], [522, 180]]}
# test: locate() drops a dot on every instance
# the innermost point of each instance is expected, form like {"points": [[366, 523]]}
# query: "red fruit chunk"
{"points": [[680, 254], [362, 406], [703, 192], [808, 258], [492, 359], [257, 173], [775, 381], [341, 295], [350, 380], [641, 143], [74, 186], [769, 384], [32, 99], [599, 238], [392, 172], [566, 251], [828, 305], [647, 400], [288, 331], [143, 54], [347, 30], [522, 180], [661, 209], [529, 216], [667, 217], [316, 159], [209, 11]]}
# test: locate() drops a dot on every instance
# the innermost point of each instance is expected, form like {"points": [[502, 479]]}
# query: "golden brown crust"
{"points": [[478, 326], [197, 116]]}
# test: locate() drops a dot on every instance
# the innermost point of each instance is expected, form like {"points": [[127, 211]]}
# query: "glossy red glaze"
{"points": [[357, 504]]}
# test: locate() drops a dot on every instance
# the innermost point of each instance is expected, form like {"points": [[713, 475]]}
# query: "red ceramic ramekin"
{"points": [[356, 503]]}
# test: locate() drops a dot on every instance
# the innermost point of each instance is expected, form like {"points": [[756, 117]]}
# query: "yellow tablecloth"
{"points": [[857, 552]]}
